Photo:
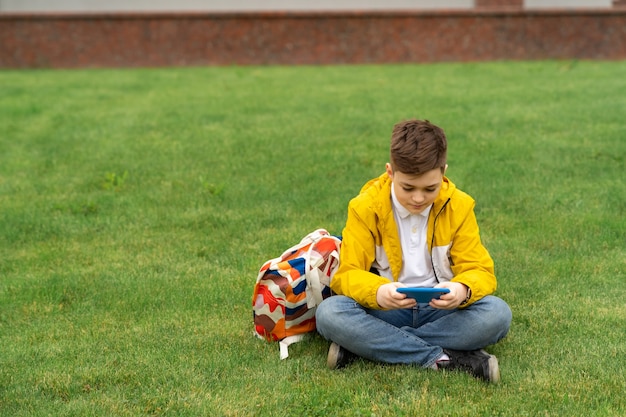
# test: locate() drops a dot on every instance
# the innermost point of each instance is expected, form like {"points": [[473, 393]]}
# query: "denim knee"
{"points": [[500, 315], [326, 314]]}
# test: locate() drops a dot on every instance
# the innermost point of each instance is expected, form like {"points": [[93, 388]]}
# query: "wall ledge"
{"points": [[488, 12]]}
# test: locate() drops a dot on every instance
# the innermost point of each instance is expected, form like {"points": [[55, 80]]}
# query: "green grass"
{"points": [[136, 207]]}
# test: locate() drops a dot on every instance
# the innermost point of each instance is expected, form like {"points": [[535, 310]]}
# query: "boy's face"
{"points": [[416, 192]]}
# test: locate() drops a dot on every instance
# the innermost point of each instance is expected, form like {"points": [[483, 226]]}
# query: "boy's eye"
{"points": [[428, 190]]}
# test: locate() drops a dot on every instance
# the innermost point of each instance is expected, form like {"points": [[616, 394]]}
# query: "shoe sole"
{"points": [[333, 356], [494, 368]]}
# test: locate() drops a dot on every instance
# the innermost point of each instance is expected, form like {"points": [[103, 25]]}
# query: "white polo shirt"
{"points": [[417, 269]]}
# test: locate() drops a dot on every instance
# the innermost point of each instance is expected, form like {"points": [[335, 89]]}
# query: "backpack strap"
{"points": [[284, 344], [315, 277]]}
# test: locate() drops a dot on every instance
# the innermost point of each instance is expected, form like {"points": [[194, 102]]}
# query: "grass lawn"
{"points": [[136, 207]]}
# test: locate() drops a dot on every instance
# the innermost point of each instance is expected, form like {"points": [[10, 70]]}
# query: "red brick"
{"points": [[294, 38]]}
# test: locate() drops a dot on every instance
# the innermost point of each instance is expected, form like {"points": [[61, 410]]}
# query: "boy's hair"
{"points": [[418, 146]]}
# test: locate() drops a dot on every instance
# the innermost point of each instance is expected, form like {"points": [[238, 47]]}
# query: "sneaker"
{"points": [[338, 357], [478, 363]]}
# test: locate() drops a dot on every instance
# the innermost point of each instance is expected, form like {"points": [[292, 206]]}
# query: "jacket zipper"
{"points": [[432, 240]]}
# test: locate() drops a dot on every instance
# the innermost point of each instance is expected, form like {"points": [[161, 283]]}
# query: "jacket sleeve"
{"points": [[471, 264], [358, 251]]}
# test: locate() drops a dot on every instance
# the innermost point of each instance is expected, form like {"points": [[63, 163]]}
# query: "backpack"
{"points": [[289, 288]]}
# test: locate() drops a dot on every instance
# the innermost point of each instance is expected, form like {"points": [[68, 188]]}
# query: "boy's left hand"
{"points": [[451, 300]]}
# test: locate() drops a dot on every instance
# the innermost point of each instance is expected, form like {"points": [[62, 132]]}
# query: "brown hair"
{"points": [[418, 146]]}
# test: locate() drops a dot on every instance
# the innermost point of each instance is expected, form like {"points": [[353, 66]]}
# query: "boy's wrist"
{"points": [[468, 295]]}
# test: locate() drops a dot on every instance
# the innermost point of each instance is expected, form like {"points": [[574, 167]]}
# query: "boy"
{"points": [[412, 227]]}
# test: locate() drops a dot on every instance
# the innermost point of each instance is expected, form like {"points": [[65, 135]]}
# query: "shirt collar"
{"points": [[403, 212]]}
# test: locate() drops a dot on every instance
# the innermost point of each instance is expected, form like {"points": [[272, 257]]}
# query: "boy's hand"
{"points": [[388, 298], [451, 300]]}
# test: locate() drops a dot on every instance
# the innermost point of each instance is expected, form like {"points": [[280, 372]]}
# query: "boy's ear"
{"points": [[389, 170]]}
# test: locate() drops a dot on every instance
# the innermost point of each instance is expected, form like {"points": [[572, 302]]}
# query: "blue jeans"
{"points": [[411, 336]]}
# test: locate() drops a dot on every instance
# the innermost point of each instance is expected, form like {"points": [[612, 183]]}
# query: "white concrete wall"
{"points": [[226, 5], [266, 5]]}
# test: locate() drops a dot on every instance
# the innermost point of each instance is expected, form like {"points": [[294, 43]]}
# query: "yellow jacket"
{"points": [[370, 237]]}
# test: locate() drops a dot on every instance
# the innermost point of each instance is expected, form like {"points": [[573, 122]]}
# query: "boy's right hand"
{"points": [[388, 298]]}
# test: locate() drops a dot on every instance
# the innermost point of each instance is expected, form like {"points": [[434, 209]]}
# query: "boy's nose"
{"points": [[418, 197]]}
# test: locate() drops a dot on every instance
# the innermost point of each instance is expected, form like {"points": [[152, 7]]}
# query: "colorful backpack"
{"points": [[289, 288]]}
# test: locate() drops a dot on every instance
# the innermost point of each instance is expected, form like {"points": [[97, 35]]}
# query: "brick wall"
{"points": [[295, 38]]}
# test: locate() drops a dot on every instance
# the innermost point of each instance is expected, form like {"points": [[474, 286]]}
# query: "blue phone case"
{"points": [[423, 295]]}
